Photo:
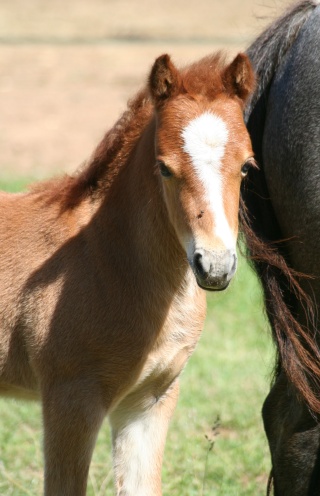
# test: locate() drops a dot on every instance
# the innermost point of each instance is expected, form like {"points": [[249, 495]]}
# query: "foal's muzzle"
{"points": [[214, 270]]}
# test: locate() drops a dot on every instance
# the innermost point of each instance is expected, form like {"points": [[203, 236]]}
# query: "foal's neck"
{"points": [[135, 209]]}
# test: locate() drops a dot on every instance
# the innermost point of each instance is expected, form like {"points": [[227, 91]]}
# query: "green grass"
{"points": [[14, 185], [227, 379]]}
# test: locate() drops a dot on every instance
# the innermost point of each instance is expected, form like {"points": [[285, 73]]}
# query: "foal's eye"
{"points": [[164, 171], [245, 169], [247, 165]]}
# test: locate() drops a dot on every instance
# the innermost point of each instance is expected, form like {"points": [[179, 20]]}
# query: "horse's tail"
{"points": [[297, 352]]}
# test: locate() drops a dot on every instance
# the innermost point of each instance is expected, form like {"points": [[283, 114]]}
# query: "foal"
{"points": [[102, 274]]}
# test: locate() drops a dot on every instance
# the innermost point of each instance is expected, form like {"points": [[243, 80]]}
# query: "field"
{"points": [[66, 73]]}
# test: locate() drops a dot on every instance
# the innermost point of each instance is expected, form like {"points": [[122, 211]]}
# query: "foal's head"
{"points": [[203, 152]]}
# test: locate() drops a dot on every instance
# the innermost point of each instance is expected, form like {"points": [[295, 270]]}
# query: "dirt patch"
{"points": [[67, 69]]}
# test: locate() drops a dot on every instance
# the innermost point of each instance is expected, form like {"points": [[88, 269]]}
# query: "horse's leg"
{"points": [[138, 443], [294, 440], [72, 416]]}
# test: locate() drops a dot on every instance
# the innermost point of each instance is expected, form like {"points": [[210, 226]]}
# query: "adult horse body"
{"points": [[283, 205], [102, 273]]}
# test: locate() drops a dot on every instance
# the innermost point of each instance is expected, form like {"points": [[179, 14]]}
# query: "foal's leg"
{"points": [[294, 440], [72, 416], [139, 437]]}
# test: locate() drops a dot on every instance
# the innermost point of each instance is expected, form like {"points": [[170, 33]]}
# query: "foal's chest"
{"points": [[175, 343]]}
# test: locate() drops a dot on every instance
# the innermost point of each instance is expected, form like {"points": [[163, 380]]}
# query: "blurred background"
{"points": [[67, 67]]}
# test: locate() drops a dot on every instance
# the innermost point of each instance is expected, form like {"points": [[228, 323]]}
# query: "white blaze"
{"points": [[205, 139]]}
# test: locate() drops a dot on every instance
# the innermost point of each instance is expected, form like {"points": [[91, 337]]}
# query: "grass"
{"points": [[14, 185], [216, 444]]}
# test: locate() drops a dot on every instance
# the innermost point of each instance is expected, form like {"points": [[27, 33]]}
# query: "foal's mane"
{"points": [[98, 172], [94, 178]]}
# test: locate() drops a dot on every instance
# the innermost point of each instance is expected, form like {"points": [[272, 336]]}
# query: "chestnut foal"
{"points": [[102, 273]]}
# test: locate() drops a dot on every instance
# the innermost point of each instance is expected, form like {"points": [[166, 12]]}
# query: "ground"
{"points": [[67, 69]]}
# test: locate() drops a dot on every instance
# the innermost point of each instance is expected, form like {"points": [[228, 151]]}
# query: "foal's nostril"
{"points": [[234, 265], [199, 265], [197, 262]]}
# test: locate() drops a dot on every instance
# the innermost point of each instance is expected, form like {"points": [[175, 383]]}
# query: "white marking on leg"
{"points": [[139, 438], [205, 139], [137, 451], [135, 448]]}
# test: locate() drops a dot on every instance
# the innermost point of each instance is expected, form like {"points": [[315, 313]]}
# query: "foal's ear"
{"points": [[164, 80], [239, 78]]}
